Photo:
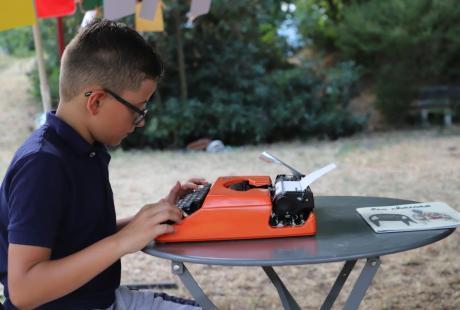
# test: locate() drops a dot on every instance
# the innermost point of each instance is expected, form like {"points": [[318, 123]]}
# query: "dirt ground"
{"points": [[422, 165]]}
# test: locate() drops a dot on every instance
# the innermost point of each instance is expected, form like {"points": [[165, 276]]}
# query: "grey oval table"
{"points": [[342, 235]]}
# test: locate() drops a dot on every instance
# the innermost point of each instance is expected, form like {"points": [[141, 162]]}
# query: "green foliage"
{"points": [[288, 103], [394, 91], [315, 22], [17, 42], [318, 20], [404, 44], [240, 88]]}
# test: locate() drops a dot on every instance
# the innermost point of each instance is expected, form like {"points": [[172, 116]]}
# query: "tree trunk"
{"points": [[44, 88], [180, 57], [334, 10]]}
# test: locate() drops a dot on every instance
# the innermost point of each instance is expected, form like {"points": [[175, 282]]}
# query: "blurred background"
{"points": [[372, 85], [262, 71]]}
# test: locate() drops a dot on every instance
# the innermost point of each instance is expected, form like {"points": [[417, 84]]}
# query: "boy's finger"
{"points": [[199, 181], [168, 217], [189, 186], [174, 193]]}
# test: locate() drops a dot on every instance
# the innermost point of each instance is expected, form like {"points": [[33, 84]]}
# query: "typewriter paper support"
{"points": [[251, 207]]}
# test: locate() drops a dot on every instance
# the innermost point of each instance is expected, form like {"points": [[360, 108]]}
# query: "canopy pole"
{"points": [[60, 35], [44, 88]]}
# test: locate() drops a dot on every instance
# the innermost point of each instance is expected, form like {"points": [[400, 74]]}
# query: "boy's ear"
{"points": [[93, 102]]}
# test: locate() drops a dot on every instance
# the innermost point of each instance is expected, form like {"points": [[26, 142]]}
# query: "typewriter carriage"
{"points": [[290, 208]]}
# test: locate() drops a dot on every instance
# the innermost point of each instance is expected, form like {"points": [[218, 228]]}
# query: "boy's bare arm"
{"points": [[34, 279], [123, 222]]}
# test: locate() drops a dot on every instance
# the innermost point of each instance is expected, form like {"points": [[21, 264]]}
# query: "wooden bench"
{"points": [[437, 100]]}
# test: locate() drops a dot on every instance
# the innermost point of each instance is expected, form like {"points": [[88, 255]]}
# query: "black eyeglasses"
{"points": [[141, 113]]}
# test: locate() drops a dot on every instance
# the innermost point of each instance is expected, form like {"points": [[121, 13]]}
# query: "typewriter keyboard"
{"points": [[193, 201]]}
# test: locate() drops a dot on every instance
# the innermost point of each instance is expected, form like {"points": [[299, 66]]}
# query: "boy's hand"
{"points": [[147, 224], [179, 190]]}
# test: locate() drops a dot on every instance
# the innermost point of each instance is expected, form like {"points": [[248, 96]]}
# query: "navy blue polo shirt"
{"points": [[56, 194]]}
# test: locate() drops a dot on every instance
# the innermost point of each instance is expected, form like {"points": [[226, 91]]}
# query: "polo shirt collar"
{"points": [[73, 138]]}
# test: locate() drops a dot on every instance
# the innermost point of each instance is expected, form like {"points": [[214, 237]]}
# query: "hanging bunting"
{"points": [[88, 17], [54, 8], [149, 8], [145, 25], [115, 9], [17, 13], [198, 7]]}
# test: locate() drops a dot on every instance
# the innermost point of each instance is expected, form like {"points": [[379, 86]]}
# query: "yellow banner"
{"points": [[155, 25], [16, 13]]}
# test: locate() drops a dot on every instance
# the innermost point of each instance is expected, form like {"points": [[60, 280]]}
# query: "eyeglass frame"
{"points": [[141, 113]]}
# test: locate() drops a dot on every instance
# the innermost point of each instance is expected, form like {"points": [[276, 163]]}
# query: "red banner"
{"points": [[54, 8]]}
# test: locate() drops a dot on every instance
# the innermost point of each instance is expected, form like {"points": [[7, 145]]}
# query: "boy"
{"points": [[60, 243]]}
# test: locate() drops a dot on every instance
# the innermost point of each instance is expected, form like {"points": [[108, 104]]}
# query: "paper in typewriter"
{"points": [[297, 186], [410, 217]]}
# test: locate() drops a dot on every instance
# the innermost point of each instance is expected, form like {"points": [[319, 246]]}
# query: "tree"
{"points": [[239, 85], [404, 45], [228, 77], [318, 20]]}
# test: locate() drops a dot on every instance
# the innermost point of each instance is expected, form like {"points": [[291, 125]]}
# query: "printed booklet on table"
{"points": [[410, 217]]}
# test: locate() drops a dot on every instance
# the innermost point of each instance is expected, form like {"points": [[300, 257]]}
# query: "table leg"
{"points": [[363, 282], [338, 284], [286, 298], [179, 269]]}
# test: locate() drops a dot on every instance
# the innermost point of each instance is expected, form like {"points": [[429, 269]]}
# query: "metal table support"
{"points": [[363, 282], [178, 268], [359, 289], [286, 298], [289, 303], [339, 282]]}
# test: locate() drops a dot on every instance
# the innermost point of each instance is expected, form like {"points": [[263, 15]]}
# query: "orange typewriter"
{"points": [[249, 207]]}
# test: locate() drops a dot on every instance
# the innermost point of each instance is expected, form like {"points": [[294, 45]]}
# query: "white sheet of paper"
{"points": [[296, 186], [287, 186], [315, 175], [198, 7], [115, 9], [149, 8]]}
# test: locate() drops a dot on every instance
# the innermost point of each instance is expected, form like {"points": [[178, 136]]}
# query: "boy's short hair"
{"points": [[109, 54]]}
